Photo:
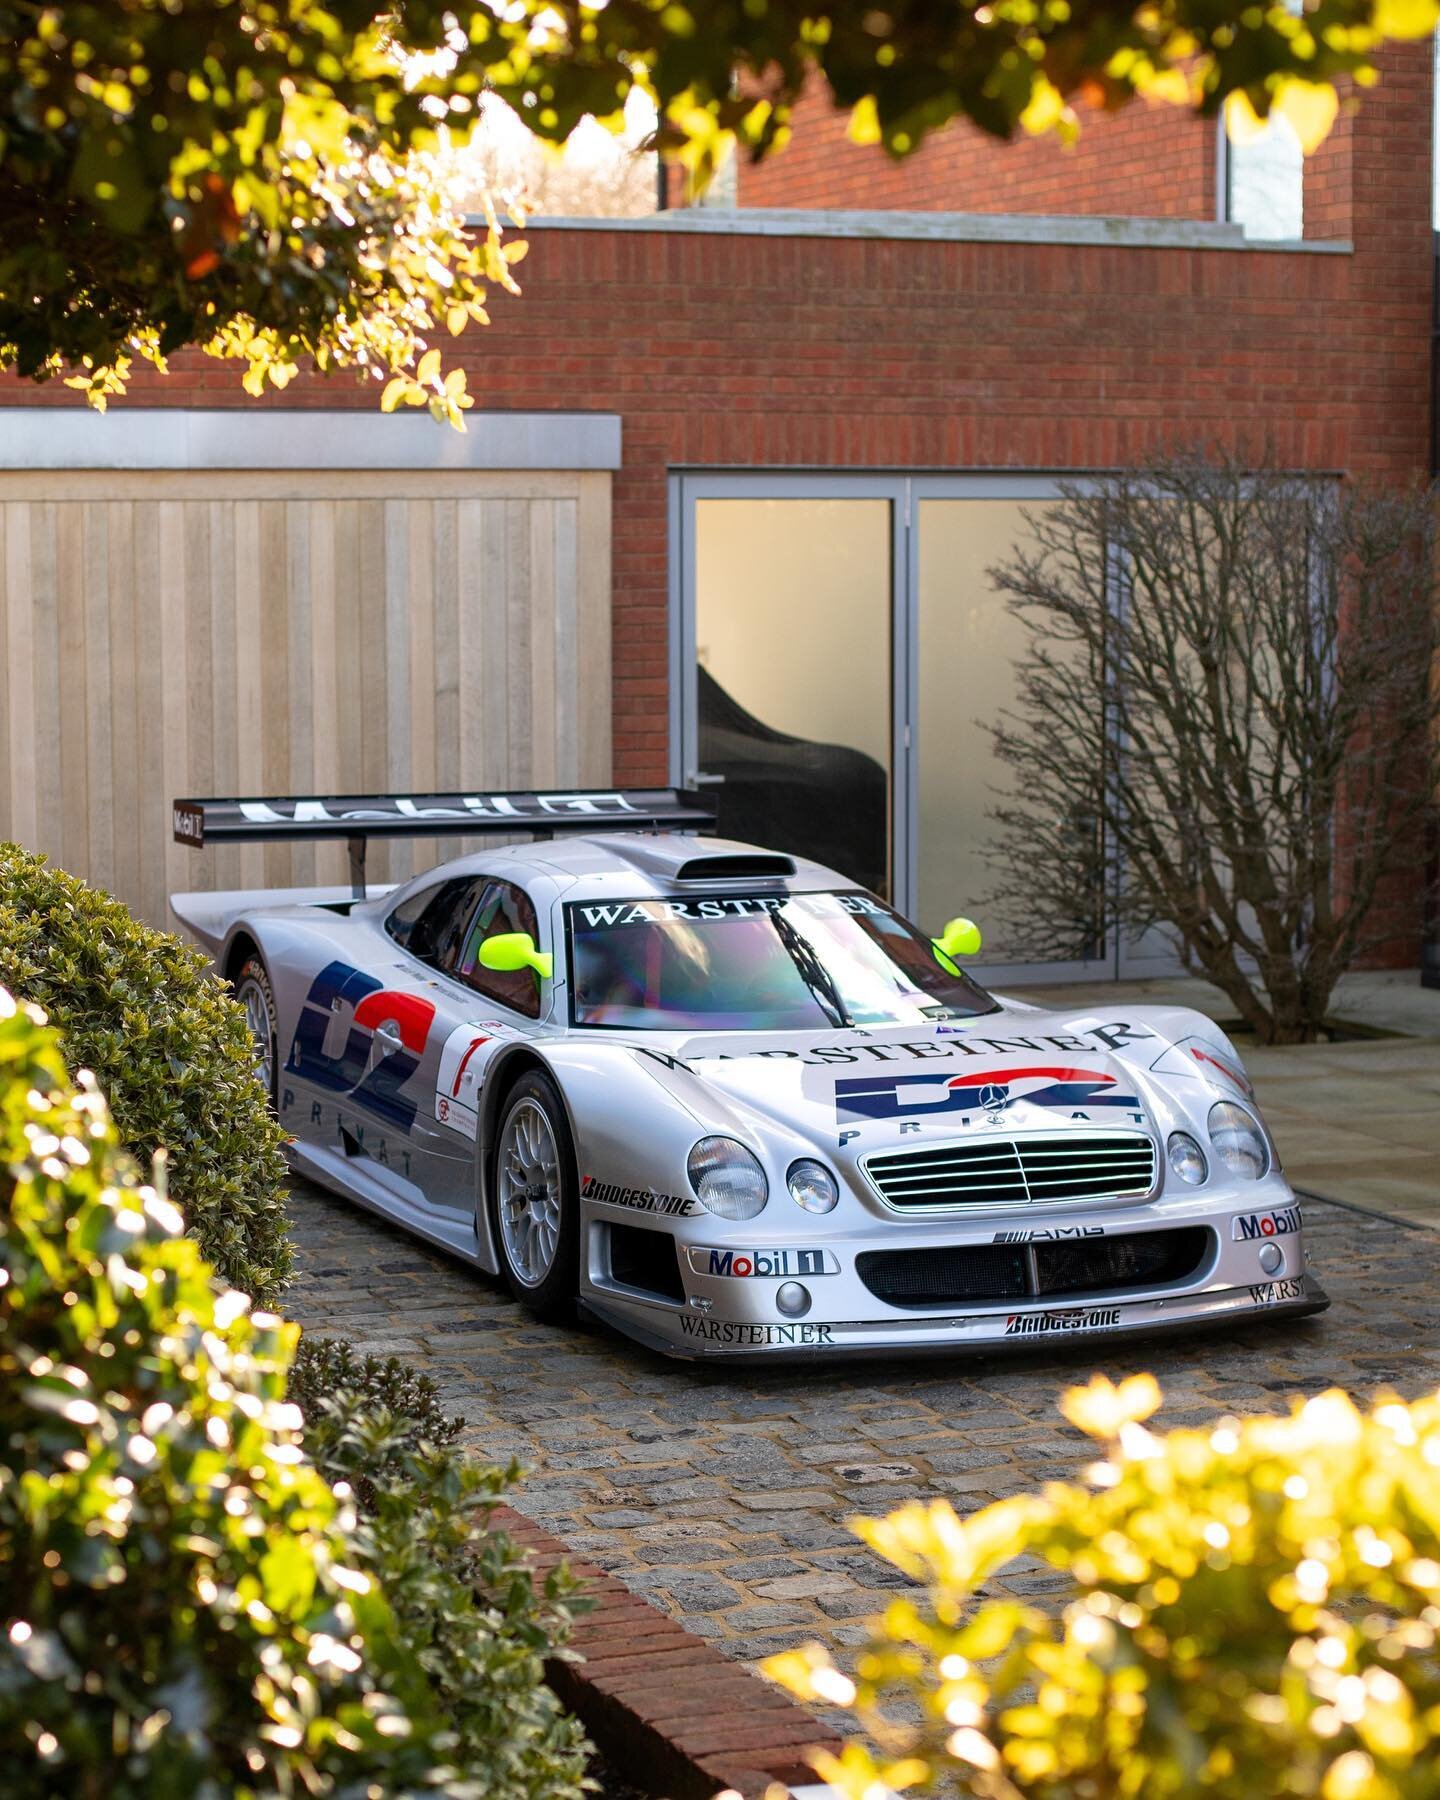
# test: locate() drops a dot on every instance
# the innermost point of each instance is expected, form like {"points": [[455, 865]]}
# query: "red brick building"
{"points": [[829, 405]]}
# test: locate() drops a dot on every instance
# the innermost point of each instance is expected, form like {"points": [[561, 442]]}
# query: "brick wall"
{"points": [[755, 351], [1144, 161]]}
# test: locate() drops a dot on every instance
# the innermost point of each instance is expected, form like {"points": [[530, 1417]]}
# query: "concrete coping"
{"points": [[949, 228], [268, 437]]}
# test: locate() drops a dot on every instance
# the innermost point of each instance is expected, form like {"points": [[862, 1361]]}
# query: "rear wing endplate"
{"points": [[360, 817]]}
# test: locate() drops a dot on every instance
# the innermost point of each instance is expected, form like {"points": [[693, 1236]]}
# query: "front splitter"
{"points": [[698, 1337]]}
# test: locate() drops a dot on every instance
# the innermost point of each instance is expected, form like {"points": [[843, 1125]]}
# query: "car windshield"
{"points": [[758, 963]]}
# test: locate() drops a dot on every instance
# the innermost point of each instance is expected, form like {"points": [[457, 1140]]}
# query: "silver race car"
{"points": [[730, 1103]]}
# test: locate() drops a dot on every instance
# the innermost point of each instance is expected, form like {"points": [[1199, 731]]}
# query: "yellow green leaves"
{"points": [[1309, 107], [1101, 1408], [275, 180], [1406, 18], [445, 395], [1240, 1610]]}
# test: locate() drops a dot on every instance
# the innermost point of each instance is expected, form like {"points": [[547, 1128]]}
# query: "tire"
{"points": [[537, 1233], [253, 991]]}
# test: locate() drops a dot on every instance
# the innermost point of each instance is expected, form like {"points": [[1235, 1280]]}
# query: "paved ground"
{"points": [[722, 1494]]}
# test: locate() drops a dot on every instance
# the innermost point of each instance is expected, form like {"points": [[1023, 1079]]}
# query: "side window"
{"points": [[504, 907], [431, 924]]}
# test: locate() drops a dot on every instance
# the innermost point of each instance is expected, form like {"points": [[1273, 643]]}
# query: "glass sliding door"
{"points": [[968, 645], [791, 633], [838, 652]]}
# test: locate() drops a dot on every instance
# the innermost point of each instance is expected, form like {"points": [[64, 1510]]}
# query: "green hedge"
{"points": [[188, 1606], [170, 1050], [465, 1601], [181, 1611]]}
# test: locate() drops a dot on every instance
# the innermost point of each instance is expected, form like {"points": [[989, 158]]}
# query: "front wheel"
{"points": [[253, 991], [537, 1205]]}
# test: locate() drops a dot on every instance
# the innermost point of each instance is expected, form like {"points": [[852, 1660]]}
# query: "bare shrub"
{"points": [[1225, 724]]}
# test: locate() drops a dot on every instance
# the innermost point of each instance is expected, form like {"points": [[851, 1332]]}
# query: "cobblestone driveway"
{"points": [[722, 1494]]}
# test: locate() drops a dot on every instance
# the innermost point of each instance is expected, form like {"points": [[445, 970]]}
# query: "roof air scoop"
{"points": [[756, 867]]}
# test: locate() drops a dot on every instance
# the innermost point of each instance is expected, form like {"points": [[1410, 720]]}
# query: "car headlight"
{"points": [[727, 1178], [1187, 1159], [812, 1186], [1238, 1141]]}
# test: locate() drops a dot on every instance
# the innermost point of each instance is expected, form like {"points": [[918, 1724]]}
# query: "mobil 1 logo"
{"points": [[1249, 1228], [774, 1265]]}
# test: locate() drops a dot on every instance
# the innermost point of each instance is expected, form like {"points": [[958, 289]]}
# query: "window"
{"points": [[1435, 139], [430, 924], [1262, 181], [503, 908]]}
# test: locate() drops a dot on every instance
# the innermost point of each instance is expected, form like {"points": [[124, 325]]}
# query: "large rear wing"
{"points": [[360, 817]]}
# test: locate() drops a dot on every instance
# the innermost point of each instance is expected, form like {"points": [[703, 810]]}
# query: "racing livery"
{"points": [[730, 1103]]}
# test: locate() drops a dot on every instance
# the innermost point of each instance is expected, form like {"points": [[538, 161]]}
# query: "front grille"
{"points": [[1075, 1165], [917, 1279]]}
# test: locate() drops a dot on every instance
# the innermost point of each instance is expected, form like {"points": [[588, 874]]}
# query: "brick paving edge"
{"points": [[664, 1707]]}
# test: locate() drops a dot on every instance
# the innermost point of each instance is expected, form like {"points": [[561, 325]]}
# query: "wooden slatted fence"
{"points": [[192, 632]]}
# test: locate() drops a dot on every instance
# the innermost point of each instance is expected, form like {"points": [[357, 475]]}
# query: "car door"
{"points": [[477, 1011], [360, 1073]]}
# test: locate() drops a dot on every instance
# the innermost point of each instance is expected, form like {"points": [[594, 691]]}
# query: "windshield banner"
{"points": [[601, 915]]}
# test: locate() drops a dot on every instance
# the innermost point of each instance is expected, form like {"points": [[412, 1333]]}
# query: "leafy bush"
{"points": [[170, 1050], [187, 1606], [465, 1601], [325, 1367], [180, 1602], [1252, 1610]]}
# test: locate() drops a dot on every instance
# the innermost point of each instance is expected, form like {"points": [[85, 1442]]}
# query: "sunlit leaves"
{"points": [[271, 181], [444, 394], [1247, 1609], [204, 1589], [174, 1618], [269, 178], [1101, 1408]]}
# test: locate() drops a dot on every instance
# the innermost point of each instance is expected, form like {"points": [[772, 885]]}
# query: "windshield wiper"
{"points": [[812, 971]]}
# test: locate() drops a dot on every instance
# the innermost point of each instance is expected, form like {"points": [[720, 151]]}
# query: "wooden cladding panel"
{"points": [[184, 634]]}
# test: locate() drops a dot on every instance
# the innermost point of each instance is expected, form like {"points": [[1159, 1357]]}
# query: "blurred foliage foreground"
{"points": [[1251, 1612], [203, 1591]]}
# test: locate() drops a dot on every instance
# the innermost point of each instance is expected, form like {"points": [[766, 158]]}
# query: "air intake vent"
{"points": [[735, 868], [920, 1279], [647, 1260]]}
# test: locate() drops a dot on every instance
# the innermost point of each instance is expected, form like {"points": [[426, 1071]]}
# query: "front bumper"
{"points": [[1248, 1276]]}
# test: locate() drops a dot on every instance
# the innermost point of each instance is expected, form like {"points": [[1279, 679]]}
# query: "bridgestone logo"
{"points": [[605, 1193], [727, 1331], [1039, 1324]]}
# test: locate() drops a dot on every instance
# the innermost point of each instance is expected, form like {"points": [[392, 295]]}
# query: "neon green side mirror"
{"points": [[512, 950], [961, 937]]}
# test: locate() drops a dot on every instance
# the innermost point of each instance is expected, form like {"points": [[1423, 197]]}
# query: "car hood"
{"points": [[1022, 1070]]}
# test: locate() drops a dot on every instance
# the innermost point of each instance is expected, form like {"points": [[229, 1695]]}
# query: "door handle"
{"points": [[388, 1038], [698, 778]]}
